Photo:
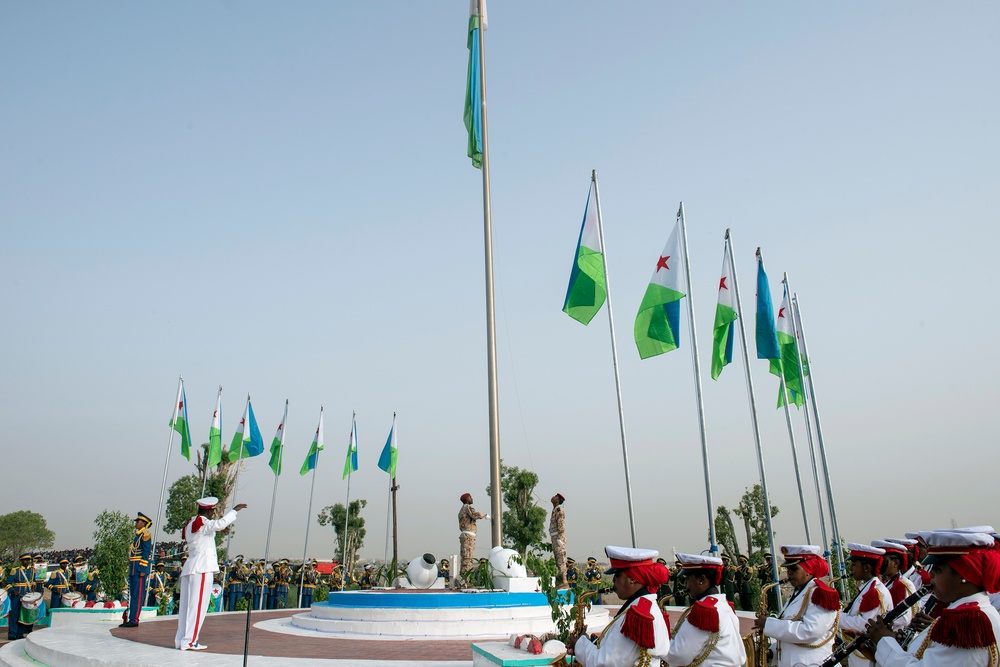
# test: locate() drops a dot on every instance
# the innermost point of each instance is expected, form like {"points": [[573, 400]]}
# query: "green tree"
{"points": [[523, 520], [23, 531], [186, 490], [355, 538], [113, 532], [725, 533], [751, 510]]}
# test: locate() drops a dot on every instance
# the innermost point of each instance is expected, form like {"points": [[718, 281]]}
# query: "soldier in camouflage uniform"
{"points": [[557, 532], [467, 517]]}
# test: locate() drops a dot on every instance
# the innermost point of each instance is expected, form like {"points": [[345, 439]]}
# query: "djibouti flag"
{"points": [[789, 354], [587, 290], [312, 458], [657, 325], [766, 339], [351, 462], [247, 440], [725, 315], [387, 460], [473, 114], [179, 421], [278, 443], [215, 434]]}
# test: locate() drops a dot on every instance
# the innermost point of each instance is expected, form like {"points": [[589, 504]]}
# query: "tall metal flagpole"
{"points": [[204, 478], [274, 496], [837, 537], [696, 364], [791, 435], [166, 465], [614, 357], [809, 441], [312, 487], [753, 413], [347, 509], [236, 491], [496, 511]]}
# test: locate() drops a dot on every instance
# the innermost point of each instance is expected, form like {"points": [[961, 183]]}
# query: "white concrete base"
{"points": [[501, 654], [517, 585], [64, 616]]}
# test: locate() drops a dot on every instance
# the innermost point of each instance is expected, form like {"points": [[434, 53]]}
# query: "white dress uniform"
{"points": [[197, 576], [855, 621], [689, 643], [889, 653], [804, 630], [614, 649]]}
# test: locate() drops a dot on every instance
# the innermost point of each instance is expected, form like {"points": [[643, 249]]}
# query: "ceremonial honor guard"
{"points": [[444, 570], [807, 625], [873, 598], [196, 576], [159, 583], [896, 562], [557, 533], [638, 634], [592, 576], [140, 553], [467, 517], [744, 575], [708, 632], [966, 568], [20, 582], [309, 581], [60, 582]]}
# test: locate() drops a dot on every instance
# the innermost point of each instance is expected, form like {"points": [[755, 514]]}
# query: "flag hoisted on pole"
{"points": [[587, 289], [387, 459], [277, 445], [170, 445], [247, 441], [311, 462], [790, 360], [215, 434], [473, 114], [657, 325], [350, 465], [179, 421], [725, 315], [351, 461]]}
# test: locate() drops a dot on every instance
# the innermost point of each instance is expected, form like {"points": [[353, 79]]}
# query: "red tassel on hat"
{"points": [[825, 596], [638, 625], [870, 600], [704, 615], [965, 626]]}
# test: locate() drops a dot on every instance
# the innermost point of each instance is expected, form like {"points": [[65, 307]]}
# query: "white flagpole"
{"points": [[835, 526], [312, 487], [236, 490], [166, 463], [753, 415], [791, 433], [347, 505], [274, 497], [699, 399], [614, 357]]}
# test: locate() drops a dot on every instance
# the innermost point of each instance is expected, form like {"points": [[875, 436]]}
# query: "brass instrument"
{"points": [[754, 642], [579, 624]]}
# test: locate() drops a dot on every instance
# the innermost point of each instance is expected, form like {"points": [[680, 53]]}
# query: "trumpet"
{"points": [[847, 648], [755, 642]]}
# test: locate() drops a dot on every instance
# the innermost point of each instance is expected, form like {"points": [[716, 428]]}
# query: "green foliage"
{"points": [[161, 609], [322, 593], [242, 604], [335, 515], [481, 576], [751, 510], [523, 520], [182, 500], [23, 531], [113, 533], [563, 617], [725, 533]]}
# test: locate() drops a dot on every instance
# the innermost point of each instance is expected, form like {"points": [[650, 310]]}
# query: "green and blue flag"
{"points": [[317, 446], [351, 462], [247, 441], [587, 289], [724, 330], [657, 324], [387, 460], [179, 421], [473, 114]]}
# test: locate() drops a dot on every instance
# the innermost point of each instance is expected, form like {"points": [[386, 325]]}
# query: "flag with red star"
{"points": [[278, 444], [247, 440], [789, 354], [179, 421], [725, 317], [657, 325], [587, 290]]}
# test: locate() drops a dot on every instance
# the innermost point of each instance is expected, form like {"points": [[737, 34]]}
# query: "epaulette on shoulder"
{"points": [[965, 626], [870, 600], [899, 591], [925, 576], [704, 615], [638, 625], [825, 596]]}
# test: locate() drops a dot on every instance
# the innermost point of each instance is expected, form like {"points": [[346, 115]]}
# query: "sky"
{"points": [[276, 198]]}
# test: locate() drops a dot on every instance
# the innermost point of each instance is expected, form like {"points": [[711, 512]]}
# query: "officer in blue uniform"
{"points": [[282, 577], [256, 580], [90, 586], [41, 573], [593, 578], [269, 602], [309, 580], [445, 571], [572, 574], [140, 554], [159, 585], [237, 583], [59, 583], [20, 580]]}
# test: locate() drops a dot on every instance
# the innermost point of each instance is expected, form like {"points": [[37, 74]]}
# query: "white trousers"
{"points": [[196, 595]]}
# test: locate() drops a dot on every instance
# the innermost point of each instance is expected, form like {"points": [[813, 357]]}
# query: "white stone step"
{"points": [[12, 655]]}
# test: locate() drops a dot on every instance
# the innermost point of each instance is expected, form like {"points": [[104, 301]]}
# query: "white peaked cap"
{"points": [[209, 501]]}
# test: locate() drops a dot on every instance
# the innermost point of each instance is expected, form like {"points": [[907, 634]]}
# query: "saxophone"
{"points": [[754, 641]]}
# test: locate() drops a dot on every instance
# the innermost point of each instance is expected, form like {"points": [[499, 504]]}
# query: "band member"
{"points": [[638, 631], [664, 591], [60, 582], [765, 574], [593, 578], [744, 575], [680, 585], [728, 578], [282, 578], [237, 576], [79, 574], [920, 576], [467, 517], [873, 598], [159, 585], [309, 581], [708, 632], [20, 581], [966, 567], [368, 578], [140, 553], [806, 626], [41, 573], [196, 577], [557, 533], [572, 574], [92, 584], [896, 562], [444, 570]]}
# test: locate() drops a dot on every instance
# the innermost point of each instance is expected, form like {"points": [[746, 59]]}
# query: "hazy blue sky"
{"points": [[276, 197]]}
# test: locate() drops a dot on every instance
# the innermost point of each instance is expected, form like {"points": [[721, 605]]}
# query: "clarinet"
{"points": [[910, 632], [847, 648]]}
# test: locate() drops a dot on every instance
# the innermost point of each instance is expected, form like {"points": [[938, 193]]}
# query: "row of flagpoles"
{"points": [[248, 443], [657, 331]]}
